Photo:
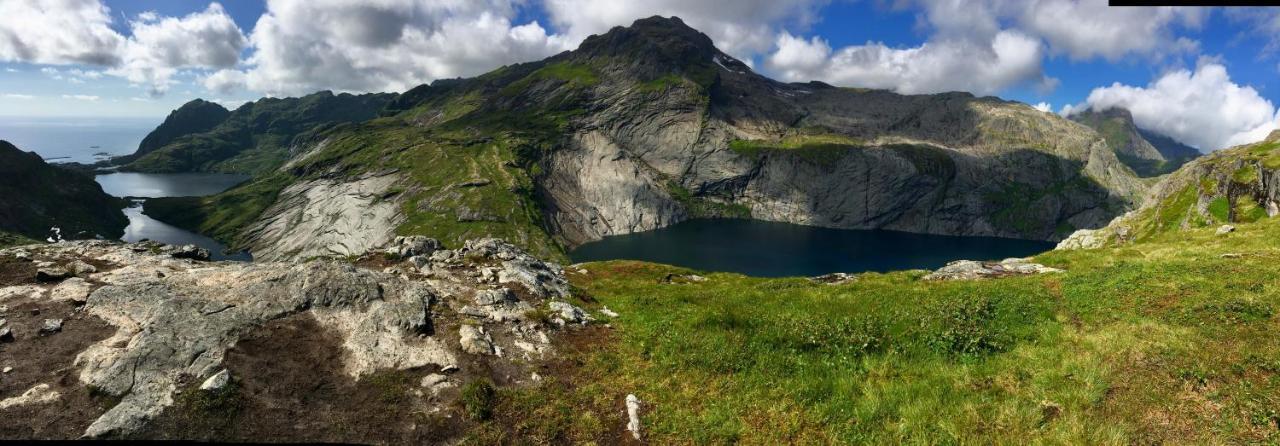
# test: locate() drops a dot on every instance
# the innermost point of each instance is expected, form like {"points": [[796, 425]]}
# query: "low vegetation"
{"points": [[1167, 340]]}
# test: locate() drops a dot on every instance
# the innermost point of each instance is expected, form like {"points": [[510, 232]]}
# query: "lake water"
{"points": [[154, 185], [146, 185], [769, 249]]}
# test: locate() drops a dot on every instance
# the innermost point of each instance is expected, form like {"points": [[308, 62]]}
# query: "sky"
{"points": [[1205, 76]]}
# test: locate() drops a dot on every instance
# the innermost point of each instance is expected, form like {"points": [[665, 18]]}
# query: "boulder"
{"points": [[633, 415], [834, 278], [568, 313], [474, 340], [192, 252], [1082, 239], [40, 393], [80, 268], [1225, 229], [52, 274], [414, 245], [6, 334]]}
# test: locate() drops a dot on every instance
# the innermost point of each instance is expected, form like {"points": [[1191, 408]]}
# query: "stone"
{"points": [[192, 252], [1082, 239], [80, 268], [1232, 255], [74, 289], [40, 393], [474, 340], [50, 326], [970, 269], [494, 297], [52, 274], [1225, 229], [412, 246], [7, 370], [834, 278], [6, 334], [216, 382], [568, 313], [607, 312], [633, 415]]}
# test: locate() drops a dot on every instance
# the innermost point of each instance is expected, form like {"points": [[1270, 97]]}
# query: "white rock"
{"points": [[633, 415], [41, 393], [474, 340], [607, 312], [1225, 229], [216, 382]]}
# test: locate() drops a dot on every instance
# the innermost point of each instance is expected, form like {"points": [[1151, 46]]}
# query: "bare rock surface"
{"points": [[971, 269], [175, 317]]}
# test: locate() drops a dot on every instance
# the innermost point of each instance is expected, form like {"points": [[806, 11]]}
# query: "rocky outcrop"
{"points": [[1236, 185], [971, 269], [177, 317], [326, 217], [1147, 153]]}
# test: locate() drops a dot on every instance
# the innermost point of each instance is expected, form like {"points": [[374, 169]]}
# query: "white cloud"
{"points": [[1203, 108], [161, 47], [225, 81], [81, 97], [1009, 59], [388, 45], [18, 96], [1044, 107], [1084, 29], [58, 32]]}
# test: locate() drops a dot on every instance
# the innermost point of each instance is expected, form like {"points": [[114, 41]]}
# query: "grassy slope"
{"points": [[1161, 341]]}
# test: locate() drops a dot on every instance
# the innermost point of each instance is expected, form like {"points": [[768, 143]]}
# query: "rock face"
{"points": [[1147, 153], [39, 196], [326, 218], [176, 317], [1230, 186]]}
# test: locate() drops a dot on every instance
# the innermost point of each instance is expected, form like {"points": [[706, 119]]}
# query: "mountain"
{"points": [[39, 196], [649, 125], [197, 116], [201, 136], [1229, 186], [1147, 153]]}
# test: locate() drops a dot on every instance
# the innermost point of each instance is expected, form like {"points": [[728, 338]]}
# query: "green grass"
{"points": [[703, 207], [1162, 341], [8, 239], [819, 148]]}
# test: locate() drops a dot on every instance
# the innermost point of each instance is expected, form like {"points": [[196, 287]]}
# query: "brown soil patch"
{"points": [[48, 360], [15, 271], [288, 386]]}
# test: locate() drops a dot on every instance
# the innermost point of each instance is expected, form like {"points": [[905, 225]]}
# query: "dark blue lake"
{"points": [[770, 249]]}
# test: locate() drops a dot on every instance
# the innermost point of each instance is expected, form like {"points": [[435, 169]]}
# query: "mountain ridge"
{"points": [[646, 126]]}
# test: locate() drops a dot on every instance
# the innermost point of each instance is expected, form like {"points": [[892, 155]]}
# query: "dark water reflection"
{"points": [[769, 249]]}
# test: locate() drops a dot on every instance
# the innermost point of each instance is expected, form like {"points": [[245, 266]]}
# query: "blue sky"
{"points": [[142, 58]]}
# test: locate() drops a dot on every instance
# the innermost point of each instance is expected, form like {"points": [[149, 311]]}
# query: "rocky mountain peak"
{"points": [[657, 44]]}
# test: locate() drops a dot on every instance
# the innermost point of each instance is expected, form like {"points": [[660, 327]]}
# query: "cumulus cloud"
{"points": [[387, 45], [1009, 59], [1201, 108], [58, 32], [160, 47], [81, 97], [1044, 107], [225, 81]]}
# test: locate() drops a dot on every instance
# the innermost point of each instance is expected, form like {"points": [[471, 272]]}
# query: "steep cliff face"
{"points": [[38, 196], [649, 125], [708, 137], [1147, 153]]}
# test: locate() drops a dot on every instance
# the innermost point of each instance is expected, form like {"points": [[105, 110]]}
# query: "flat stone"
{"points": [[6, 334], [217, 382], [1225, 229], [80, 268], [52, 274], [474, 340]]}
